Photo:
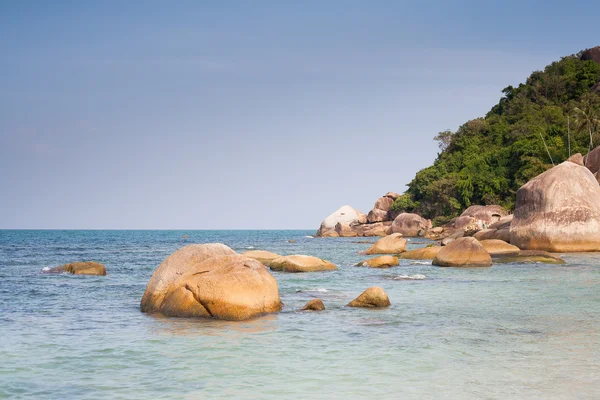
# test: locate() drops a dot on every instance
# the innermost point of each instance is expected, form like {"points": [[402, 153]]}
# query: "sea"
{"points": [[512, 331]]}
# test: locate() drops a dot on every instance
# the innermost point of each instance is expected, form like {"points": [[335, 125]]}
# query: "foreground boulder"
{"points": [[424, 253], [463, 252], [300, 263], [211, 281], [527, 257], [314, 305], [558, 211], [345, 216], [380, 262], [80, 268], [392, 244], [264, 257], [373, 297], [411, 225], [494, 246]]}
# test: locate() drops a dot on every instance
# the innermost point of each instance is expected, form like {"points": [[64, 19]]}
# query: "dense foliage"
{"points": [[555, 113]]}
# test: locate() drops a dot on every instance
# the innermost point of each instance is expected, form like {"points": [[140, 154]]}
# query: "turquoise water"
{"points": [[510, 331]]}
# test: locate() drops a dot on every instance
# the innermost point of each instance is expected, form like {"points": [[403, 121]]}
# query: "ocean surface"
{"points": [[507, 332]]}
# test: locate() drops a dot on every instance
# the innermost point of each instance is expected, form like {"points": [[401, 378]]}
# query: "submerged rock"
{"points": [[263, 256], [79, 268], [379, 262], [424, 253], [558, 211], [373, 297], [392, 244], [463, 252], [301, 263], [211, 281], [528, 256], [314, 305]]}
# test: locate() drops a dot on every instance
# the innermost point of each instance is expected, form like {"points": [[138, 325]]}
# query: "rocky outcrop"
{"points": [[528, 257], [79, 268], [392, 244], [592, 54], [558, 211], [314, 305], [211, 281], [346, 216], [486, 214], [463, 252], [424, 253], [264, 257], [301, 263], [494, 246], [373, 297], [592, 160], [411, 225], [381, 209], [376, 229], [379, 262]]}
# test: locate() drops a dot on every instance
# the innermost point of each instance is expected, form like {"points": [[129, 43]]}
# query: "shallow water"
{"points": [[510, 331]]}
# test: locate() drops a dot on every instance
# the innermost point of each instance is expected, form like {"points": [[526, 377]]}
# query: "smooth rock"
{"points": [[345, 215], [592, 160], [377, 215], [558, 211], [80, 268], [502, 223], [392, 244], [410, 225], [576, 158], [379, 262], [211, 281], [263, 256], [301, 263], [373, 297], [495, 246], [314, 305], [487, 214], [528, 256], [463, 252], [424, 253]]}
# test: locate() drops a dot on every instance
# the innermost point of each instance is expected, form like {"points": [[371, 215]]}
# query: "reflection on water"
{"points": [[191, 326]]}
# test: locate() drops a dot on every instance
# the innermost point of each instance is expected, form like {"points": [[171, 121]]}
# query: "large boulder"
{"points": [[592, 54], [495, 246], [411, 225], [493, 234], [345, 215], [263, 256], [301, 263], [381, 209], [392, 244], [376, 229], [424, 253], [373, 297], [592, 160], [528, 257], [463, 252], [558, 211], [211, 281], [379, 262], [80, 268], [577, 159], [377, 215]]}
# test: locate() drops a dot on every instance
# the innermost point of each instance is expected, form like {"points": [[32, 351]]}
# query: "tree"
{"points": [[444, 139]]}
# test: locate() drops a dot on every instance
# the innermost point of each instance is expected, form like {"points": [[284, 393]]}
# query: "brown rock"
{"points": [[463, 252], [487, 214], [345, 230], [592, 160], [392, 244], [377, 215], [345, 215], [211, 281], [373, 297], [502, 223], [392, 195], [558, 211], [376, 229], [410, 225], [379, 262], [80, 268], [591, 54], [264, 257], [314, 305], [301, 263], [424, 253], [576, 158], [495, 246]]}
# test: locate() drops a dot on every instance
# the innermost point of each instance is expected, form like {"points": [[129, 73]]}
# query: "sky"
{"points": [[247, 115]]}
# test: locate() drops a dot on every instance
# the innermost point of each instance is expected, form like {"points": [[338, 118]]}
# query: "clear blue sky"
{"points": [[266, 114]]}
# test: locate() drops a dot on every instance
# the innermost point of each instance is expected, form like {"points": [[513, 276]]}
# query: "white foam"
{"points": [[415, 277], [310, 237], [249, 247], [46, 269], [421, 262]]}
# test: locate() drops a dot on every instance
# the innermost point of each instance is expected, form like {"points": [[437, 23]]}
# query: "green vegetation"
{"points": [[555, 113]]}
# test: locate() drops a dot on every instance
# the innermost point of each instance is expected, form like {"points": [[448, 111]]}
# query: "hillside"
{"points": [[543, 121]]}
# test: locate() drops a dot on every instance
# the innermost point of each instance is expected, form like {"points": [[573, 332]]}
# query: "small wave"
{"points": [[310, 237], [249, 247], [320, 290], [45, 269], [421, 262], [416, 277]]}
